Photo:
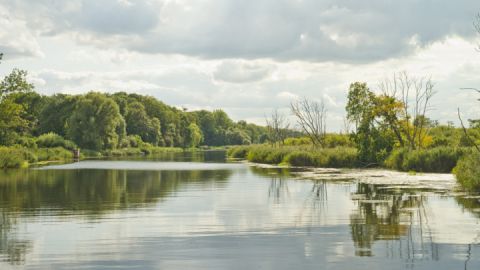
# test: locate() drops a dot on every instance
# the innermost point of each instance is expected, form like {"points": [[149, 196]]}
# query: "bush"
{"points": [[53, 154], [301, 158], [297, 155], [12, 157], [438, 159], [467, 172], [339, 157], [51, 140], [238, 151], [26, 142]]}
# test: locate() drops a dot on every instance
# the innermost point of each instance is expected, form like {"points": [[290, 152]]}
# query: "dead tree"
{"points": [[311, 118], [415, 95], [277, 126]]}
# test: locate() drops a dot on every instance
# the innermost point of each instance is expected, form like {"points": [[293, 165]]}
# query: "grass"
{"points": [[336, 157], [439, 159], [467, 172], [133, 151]]}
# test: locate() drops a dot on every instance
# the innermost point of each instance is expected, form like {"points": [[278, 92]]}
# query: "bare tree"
{"points": [[415, 95], [465, 132], [277, 126], [311, 117]]}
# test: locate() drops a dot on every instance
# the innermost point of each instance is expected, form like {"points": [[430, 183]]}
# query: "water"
{"points": [[203, 213]]}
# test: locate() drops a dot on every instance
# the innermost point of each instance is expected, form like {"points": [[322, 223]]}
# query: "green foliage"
{"points": [[239, 152], [339, 157], [50, 140], [53, 154], [439, 159], [15, 82], [139, 123], [373, 142], [27, 142], [467, 172], [95, 122], [194, 135], [55, 113], [297, 156], [13, 157]]}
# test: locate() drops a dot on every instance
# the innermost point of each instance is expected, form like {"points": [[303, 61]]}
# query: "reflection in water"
{"points": [[84, 192], [231, 217], [398, 218]]}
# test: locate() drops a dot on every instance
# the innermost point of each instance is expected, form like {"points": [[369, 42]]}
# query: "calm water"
{"points": [[208, 214]]}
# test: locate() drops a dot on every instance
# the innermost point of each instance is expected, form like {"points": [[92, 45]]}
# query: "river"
{"points": [[197, 211]]}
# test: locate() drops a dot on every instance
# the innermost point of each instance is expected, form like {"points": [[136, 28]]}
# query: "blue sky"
{"points": [[246, 57]]}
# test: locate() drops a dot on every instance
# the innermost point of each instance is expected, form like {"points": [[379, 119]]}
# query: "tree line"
{"points": [[100, 121]]}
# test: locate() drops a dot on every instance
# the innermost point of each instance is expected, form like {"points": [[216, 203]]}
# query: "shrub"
{"points": [[438, 159], [53, 154], [301, 158], [238, 151], [51, 140], [339, 157], [467, 172], [26, 142], [12, 157]]}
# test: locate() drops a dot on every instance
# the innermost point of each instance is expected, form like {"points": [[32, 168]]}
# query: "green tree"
{"points": [[194, 136], [372, 137], [55, 113], [95, 122], [139, 123], [15, 82], [12, 114]]}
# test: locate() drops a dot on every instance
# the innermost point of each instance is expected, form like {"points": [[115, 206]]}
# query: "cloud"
{"points": [[242, 71], [15, 38], [283, 30]]}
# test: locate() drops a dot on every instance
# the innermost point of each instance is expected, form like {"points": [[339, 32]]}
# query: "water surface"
{"points": [[204, 213]]}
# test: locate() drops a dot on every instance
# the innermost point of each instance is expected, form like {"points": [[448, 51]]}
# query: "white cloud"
{"points": [[244, 57], [15, 38], [238, 71]]}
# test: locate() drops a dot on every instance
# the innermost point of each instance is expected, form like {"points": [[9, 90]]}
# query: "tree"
{"points": [[371, 136], [15, 82], [311, 117], [12, 114], [95, 122], [55, 113], [277, 127], [138, 123], [410, 97], [194, 136]]}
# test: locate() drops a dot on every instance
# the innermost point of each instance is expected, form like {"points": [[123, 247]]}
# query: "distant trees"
{"points": [[311, 118]]}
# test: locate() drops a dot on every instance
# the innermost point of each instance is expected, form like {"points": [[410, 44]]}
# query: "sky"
{"points": [[245, 57]]}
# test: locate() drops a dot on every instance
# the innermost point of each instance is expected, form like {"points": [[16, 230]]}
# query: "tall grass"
{"points": [[297, 155], [467, 172], [439, 159]]}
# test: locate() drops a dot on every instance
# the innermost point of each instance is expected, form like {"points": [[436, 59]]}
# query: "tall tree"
{"points": [[138, 123], [95, 122]]}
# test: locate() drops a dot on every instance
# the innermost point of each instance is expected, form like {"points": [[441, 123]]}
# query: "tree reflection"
{"points": [[397, 217], [84, 192]]}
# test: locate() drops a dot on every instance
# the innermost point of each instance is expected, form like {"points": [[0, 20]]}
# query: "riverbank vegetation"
{"points": [[385, 127], [390, 129], [35, 127]]}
